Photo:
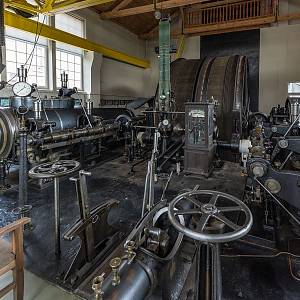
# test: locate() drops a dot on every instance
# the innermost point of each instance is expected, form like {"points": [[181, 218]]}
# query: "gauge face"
{"points": [[22, 89]]}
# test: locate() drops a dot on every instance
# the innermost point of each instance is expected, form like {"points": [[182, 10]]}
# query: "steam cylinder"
{"points": [[62, 119], [134, 283]]}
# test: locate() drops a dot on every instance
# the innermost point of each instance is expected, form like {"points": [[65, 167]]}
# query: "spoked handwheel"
{"points": [[211, 206], [54, 169]]}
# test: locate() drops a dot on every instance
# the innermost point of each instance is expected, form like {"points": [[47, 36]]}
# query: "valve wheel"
{"points": [[54, 169], [206, 208]]}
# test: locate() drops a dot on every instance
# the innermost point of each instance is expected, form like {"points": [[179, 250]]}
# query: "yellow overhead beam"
{"points": [[52, 6], [48, 5], [70, 5], [22, 5], [52, 33]]}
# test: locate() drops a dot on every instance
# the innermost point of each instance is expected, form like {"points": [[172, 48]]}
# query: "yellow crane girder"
{"points": [[53, 6], [55, 34]]}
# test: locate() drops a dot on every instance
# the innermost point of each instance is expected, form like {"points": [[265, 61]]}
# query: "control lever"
{"points": [[82, 196]]}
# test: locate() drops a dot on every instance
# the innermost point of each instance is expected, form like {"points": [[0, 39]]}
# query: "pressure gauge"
{"points": [[22, 89]]}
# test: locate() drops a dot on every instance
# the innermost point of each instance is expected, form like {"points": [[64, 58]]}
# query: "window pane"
{"points": [[64, 65], [11, 67], [71, 58], [77, 60], [21, 46], [10, 44], [294, 87], [65, 61], [10, 55], [64, 56], [69, 24], [21, 58], [23, 54]]}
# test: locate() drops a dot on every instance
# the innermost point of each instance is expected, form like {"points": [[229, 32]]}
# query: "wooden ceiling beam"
{"points": [[121, 5], [154, 30], [71, 5], [197, 7], [149, 8]]}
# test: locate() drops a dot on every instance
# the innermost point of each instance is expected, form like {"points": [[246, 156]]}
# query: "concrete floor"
{"points": [[37, 289], [243, 277]]}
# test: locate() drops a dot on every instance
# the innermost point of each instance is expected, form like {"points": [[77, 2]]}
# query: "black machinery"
{"points": [[200, 146], [173, 252], [272, 168], [200, 113], [35, 130], [220, 82]]}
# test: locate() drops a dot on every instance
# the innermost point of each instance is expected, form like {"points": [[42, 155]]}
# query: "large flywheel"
{"points": [[8, 131]]}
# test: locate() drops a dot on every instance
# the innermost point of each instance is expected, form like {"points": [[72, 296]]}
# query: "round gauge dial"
{"points": [[22, 89]]}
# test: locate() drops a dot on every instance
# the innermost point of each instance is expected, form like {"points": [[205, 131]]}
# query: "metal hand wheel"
{"points": [[206, 209], [54, 169]]}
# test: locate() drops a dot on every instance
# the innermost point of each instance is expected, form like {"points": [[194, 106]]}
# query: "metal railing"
{"points": [[230, 12]]}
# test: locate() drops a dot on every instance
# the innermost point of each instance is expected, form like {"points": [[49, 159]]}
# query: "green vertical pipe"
{"points": [[164, 65]]}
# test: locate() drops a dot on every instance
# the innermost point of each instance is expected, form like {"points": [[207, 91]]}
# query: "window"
{"points": [[20, 52], [68, 58], [31, 50], [71, 63], [294, 87]]}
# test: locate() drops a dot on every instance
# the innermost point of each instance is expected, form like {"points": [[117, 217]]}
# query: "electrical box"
{"points": [[200, 147]]}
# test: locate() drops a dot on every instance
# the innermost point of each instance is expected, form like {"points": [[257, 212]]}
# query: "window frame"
{"points": [[81, 89], [47, 69], [51, 48], [83, 21]]}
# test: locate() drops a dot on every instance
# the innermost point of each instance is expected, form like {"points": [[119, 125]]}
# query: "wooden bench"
{"points": [[12, 258]]}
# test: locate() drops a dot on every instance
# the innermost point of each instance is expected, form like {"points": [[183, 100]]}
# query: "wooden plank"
{"points": [[295, 16], [8, 267], [7, 289], [13, 226], [71, 5], [197, 7], [121, 5], [229, 25], [18, 271], [176, 35], [149, 8], [230, 30], [6, 255]]}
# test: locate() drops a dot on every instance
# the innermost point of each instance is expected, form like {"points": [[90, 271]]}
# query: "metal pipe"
{"points": [[37, 109], [171, 154], [57, 216], [86, 114], [292, 125], [72, 134], [217, 272], [23, 175], [278, 202], [89, 107], [286, 160]]}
